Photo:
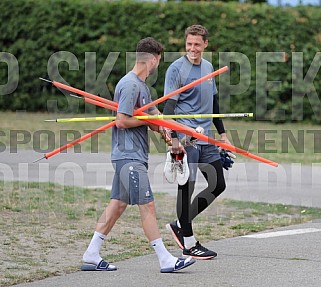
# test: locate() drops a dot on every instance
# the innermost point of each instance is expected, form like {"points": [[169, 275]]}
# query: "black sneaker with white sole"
{"points": [[177, 233], [199, 252]]}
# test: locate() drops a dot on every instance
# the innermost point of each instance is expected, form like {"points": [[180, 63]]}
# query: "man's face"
{"points": [[195, 46]]}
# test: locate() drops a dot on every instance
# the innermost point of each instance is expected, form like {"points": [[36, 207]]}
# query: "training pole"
{"points": [[113, 105], [191, 132], [169, 124], [153, 117]]}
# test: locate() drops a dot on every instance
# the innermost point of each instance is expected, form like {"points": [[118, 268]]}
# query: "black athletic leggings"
{"points": [[187, 210]]}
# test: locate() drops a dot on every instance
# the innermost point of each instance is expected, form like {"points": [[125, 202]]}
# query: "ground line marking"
{"points": [[283, 233]]}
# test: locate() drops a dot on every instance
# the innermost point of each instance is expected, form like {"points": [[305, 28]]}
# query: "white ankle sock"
{"points": [[166, 259], [189, 242], [92, 253]]}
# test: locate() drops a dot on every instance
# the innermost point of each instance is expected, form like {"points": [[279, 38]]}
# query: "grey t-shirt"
{"points": [[196, 100], [131, 93]]}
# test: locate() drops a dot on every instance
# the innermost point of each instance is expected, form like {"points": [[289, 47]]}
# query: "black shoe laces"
{"points": [[200, 247], [178, 165]]}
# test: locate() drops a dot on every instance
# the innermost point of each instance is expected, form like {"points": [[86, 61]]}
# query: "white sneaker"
{"points": [[170, 167], [182, 169]]}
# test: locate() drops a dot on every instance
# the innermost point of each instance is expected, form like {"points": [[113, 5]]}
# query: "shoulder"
{"points": [[207, 63], [129, 77], [128, 81], [178, 63], [127, 85], [179, 67]]}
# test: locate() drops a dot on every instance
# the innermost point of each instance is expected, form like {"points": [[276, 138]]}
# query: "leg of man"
{"points": [[167, 261], [214, 176], [149, 223], [135, 187], [148, 219], [104, 225], [183, 207], [110, 215], [187, 211], [106, 222], [183, 226]]}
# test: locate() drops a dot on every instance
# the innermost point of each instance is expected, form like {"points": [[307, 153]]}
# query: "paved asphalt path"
{"points": [[289, 256], [288, 184]]}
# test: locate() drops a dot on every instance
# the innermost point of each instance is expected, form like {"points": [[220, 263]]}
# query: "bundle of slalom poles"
{"points": [[158, 120]]}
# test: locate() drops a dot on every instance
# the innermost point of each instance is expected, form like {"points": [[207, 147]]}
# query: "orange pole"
{"points": [[191, 132], [83, 93], [90, 98], [184, 88], [99, 101], [151, 104], [84, 137], [168, 124]]}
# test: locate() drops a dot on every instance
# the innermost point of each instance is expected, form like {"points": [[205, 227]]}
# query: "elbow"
{"points": [[121, 121], [120, 124]]}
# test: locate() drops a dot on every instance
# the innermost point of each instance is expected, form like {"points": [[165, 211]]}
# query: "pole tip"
{"points": [[44, 157], [46, 80], [75, 96]]}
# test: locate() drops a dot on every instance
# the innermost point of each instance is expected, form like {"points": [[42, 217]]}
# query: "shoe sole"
{"points": [[200, 258], [168, 227], [172, 270], [92, 267]]}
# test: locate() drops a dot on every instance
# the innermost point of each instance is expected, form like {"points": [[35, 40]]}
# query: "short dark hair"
{"points": [[197, 30], [148, 46]]}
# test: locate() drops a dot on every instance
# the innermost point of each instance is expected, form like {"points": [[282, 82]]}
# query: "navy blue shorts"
{"points": [[131, 182]]}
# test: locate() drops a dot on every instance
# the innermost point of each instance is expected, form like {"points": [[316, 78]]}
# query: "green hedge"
{"points": [[33, 30]]}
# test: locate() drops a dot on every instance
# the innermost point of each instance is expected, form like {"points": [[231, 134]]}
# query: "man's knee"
{"points": [[220, 187], [119, 207]]}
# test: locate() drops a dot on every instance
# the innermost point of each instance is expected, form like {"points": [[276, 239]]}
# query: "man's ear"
{"points": [[154, 60]]}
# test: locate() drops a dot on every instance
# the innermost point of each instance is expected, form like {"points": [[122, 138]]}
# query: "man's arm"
{"points": [[124, 121], [169, 109], [154, 127], [218, 122]]}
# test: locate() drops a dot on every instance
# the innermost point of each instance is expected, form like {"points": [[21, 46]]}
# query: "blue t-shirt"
{"points": [[131, 93], [196, 100]]}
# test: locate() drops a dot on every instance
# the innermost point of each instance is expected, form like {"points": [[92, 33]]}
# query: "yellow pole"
{"points": [[150, 117]]}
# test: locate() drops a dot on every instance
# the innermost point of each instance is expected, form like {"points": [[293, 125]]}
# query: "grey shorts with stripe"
{"points": [[131, 182]]}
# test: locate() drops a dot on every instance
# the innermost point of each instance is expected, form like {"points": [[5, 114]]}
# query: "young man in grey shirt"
{"points": [[130, 160], [201, 99]]}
